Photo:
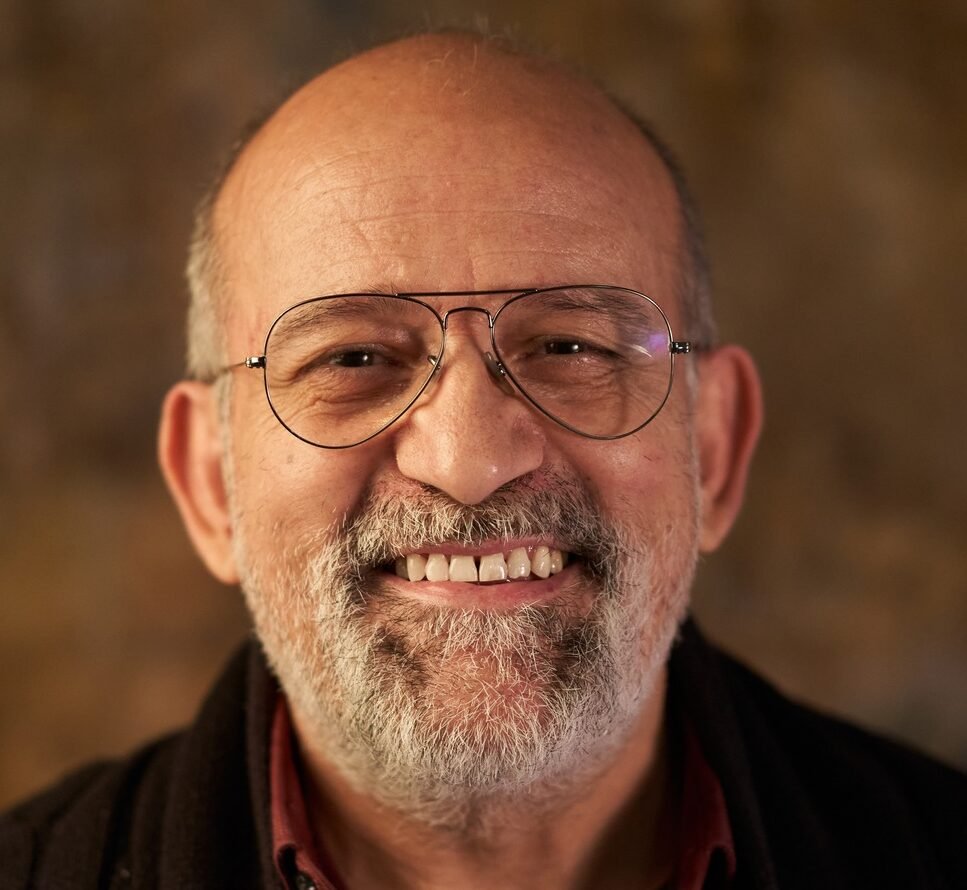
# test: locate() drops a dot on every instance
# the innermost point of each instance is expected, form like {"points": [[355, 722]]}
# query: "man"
{"points": [[459, 428]]}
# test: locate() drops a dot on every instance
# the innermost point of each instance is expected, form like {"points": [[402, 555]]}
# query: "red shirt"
{"points": [[706, 853]]}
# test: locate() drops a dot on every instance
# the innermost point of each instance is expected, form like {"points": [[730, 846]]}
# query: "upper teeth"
{"points": [[516, 564]]}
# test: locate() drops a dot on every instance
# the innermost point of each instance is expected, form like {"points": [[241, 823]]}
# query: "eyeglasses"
{"points": [[596, 359]]}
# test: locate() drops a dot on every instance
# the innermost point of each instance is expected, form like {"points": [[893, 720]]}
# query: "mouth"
{"points": [[521, 563]]}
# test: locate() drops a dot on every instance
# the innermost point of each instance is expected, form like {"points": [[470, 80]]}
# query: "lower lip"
{"points": [[500, 596]]}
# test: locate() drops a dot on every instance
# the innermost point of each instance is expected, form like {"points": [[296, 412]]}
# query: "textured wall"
{"points": [[827, 145]]}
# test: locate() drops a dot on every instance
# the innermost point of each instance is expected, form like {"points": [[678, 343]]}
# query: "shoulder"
{"points": [[70, 827], [836, 752], [877, 798], [814, 791], [189, 810]]}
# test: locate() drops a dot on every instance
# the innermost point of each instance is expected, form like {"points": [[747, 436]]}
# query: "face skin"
{"points": [[442, 164]]}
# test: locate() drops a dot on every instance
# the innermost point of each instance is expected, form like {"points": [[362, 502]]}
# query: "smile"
{"points": [[519, 564]]}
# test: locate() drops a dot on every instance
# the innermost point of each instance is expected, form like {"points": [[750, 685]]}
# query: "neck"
{"points": [[561, 838]]}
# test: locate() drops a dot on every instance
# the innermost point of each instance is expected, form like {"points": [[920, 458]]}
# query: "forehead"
{"points": [[442, 174]]}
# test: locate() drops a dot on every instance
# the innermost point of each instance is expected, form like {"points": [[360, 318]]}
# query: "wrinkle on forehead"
{"points": [[416, 150]]}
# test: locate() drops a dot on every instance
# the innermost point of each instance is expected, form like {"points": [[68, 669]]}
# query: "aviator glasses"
{"points": [[596, 359]]}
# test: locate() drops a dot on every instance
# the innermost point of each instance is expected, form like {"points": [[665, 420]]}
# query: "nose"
{"points": [[470, 433]]}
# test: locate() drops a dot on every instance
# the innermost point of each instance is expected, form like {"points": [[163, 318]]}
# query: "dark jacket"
{"points": [[813, 802]]}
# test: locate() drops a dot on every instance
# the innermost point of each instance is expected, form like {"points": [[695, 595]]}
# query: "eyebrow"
{"points": [[331, 308], [626, 311]]}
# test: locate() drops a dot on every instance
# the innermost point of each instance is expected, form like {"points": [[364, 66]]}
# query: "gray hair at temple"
{"points": [[207, 282]]}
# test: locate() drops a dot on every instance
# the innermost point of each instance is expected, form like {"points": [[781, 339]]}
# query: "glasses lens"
{"points": [[340, 369], [595, 358]]}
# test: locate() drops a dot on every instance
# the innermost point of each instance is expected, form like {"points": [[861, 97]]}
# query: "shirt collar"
{"points": [[300, 861]]}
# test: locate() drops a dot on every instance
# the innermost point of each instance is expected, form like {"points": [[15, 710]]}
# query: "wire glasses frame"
{"points": [[534, 367]]}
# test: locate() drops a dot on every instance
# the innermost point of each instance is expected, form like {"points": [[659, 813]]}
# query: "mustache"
{"points": [[388, 522]]}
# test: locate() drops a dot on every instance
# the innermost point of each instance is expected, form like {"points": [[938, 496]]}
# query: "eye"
{"points": [[353, 357], [564, 347], [356, 358], [586, 350]]}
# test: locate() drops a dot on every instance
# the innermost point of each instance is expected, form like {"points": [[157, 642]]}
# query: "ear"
{"points": [[191, 457], [728, 421]]}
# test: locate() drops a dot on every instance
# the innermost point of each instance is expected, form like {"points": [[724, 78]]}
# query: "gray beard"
{"points": [[446, 714]]}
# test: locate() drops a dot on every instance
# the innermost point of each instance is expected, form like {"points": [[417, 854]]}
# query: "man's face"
{"points": [[443, 176]]}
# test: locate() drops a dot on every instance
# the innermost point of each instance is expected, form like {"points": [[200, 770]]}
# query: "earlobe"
{"points": [[191, 457], [728, 422]]}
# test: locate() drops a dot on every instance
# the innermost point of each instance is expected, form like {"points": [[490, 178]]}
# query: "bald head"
{"points": [[441, 162]]}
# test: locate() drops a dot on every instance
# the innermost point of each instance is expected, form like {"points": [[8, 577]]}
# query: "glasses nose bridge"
{"points": [[493, 365], [457, 309], [490, 316]]}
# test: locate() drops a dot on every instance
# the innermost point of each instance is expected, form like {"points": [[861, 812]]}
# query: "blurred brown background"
{"points": [[827, 143]]}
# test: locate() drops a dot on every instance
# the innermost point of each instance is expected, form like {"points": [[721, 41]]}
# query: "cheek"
{"points": [[647, 479], [284, 485], [287, 490]]}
